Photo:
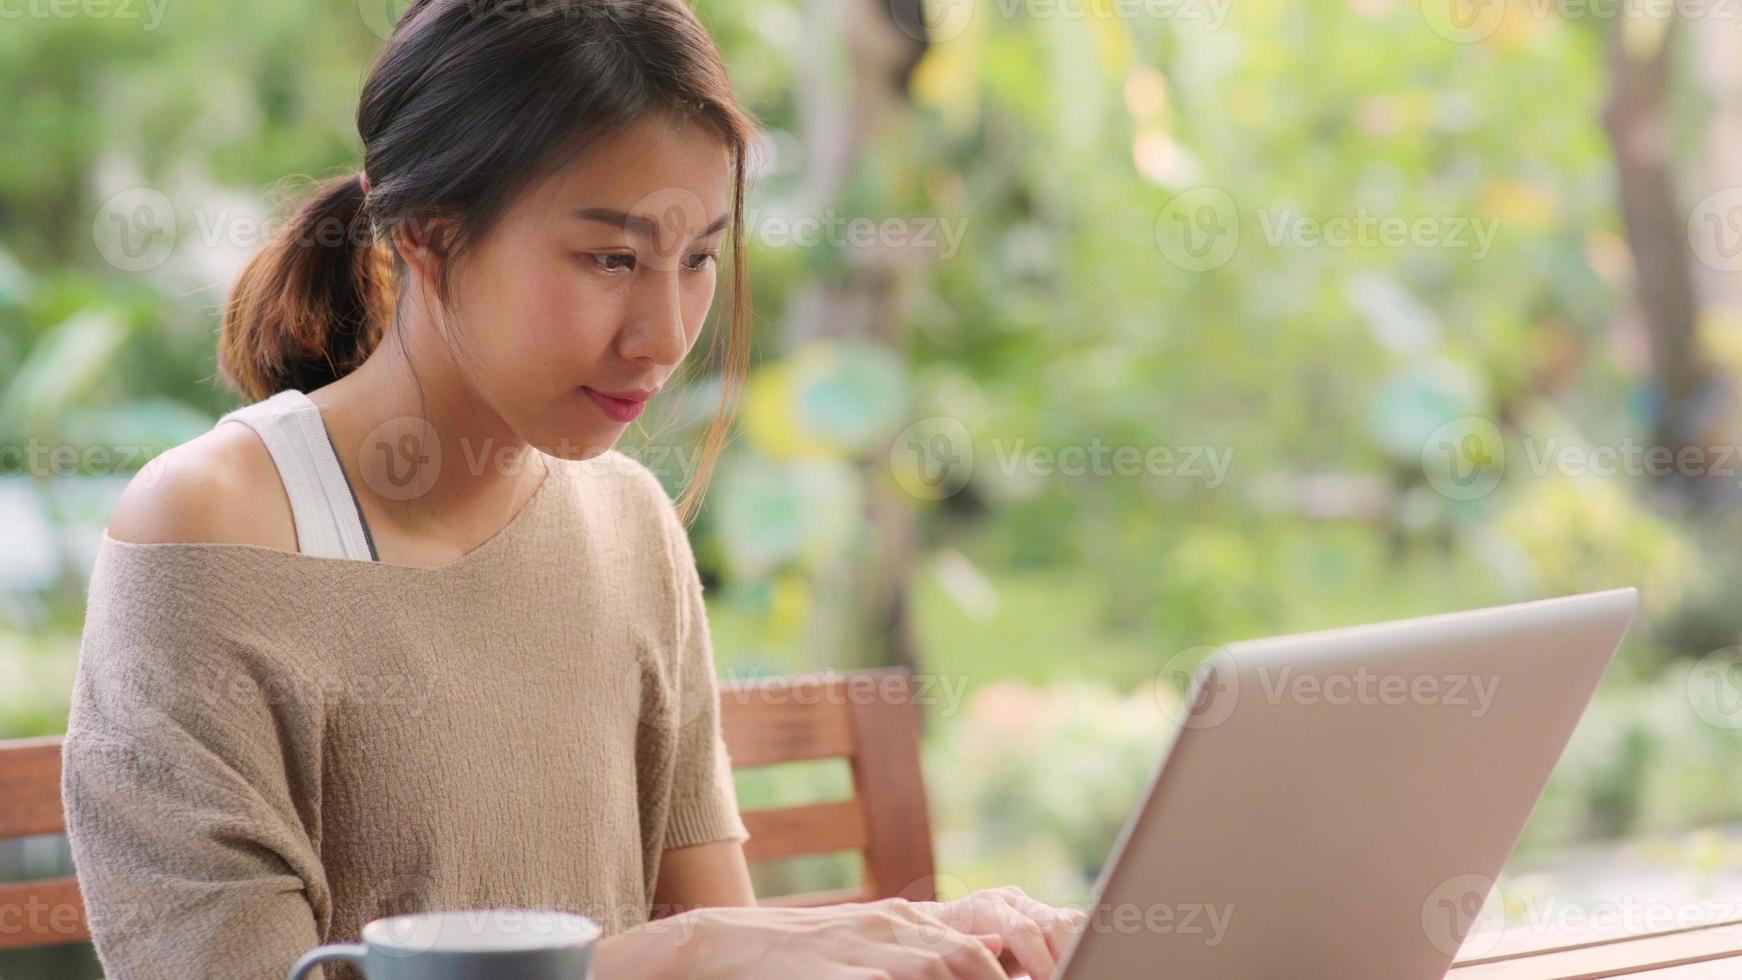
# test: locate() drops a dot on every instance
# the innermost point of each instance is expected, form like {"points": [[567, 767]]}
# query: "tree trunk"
{"points": [[839, 112], [1636, 116]]}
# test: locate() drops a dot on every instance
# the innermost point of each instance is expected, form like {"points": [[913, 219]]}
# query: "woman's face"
{"points": [[581, 303]]}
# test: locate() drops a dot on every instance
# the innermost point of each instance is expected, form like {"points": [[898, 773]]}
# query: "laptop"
{"points": [[1339, 804]]}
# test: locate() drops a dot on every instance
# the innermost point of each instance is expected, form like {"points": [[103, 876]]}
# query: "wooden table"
{"points": [[1711, 952]]}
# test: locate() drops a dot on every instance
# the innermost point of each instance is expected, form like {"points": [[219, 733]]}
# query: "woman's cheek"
{"points": [[554, 305], [697, 308]]}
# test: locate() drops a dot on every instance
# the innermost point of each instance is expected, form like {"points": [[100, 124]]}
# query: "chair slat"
{"points": [[888, 781], [768, 723], [815, 828], [30, 788], [868, 717], [46, 912]]}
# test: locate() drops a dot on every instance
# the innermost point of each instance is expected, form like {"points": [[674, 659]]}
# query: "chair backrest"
{"points": [[866, 717], [44, 912]]}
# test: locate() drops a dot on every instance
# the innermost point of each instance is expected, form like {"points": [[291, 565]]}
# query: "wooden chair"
{"points": [[865, 717], [45, 912], [868, 718]]}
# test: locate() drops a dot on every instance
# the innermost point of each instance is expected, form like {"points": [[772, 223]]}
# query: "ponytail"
{"points": [[312, 304]]}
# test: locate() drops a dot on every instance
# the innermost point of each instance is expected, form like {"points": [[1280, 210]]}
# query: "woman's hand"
{"points": [[892, 938], [1035, 934]]}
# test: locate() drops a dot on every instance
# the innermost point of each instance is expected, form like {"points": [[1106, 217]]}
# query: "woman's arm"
{"points": [[712, 874], [180, 773]]}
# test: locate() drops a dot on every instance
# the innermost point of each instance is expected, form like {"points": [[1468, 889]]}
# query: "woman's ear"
{"points": [[422, 243]]}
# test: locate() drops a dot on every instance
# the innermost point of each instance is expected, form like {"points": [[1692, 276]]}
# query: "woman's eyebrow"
{"points": [[638, 224]]}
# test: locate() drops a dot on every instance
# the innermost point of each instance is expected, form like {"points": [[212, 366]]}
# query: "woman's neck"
{"points": [[436, 470]]}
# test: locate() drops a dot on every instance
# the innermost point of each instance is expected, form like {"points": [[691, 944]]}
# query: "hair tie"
{"points": [[363, 179]]}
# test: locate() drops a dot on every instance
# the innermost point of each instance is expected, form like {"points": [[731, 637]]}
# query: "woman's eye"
{"points": [[615, 262], [699, 260]]}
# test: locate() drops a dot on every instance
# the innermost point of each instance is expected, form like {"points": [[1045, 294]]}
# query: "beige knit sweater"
{"points": [[266, 750]]}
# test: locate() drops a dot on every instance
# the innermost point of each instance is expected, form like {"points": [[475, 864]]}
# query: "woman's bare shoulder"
{"points": [[219, 487]]}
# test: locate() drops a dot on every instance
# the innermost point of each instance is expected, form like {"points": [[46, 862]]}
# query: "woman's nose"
{"points": [[655, 331]]}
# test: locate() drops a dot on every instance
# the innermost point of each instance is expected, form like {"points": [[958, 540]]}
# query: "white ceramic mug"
{"points": [[498, 944]]}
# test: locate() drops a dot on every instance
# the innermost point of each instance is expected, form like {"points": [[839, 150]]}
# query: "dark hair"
{"points": [[471, 102]]}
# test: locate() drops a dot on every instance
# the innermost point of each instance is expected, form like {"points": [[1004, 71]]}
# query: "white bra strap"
{"points": [[321, 502]]}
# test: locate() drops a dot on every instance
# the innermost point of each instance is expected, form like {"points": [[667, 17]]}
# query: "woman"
{"points": [[414, 636]]}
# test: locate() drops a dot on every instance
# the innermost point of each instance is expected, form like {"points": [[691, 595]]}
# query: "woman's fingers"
{"points": [[1058, 925], [920, 932], [978, 960], [1026, 940]]}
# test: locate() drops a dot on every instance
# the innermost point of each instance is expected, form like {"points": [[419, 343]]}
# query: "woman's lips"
{"points": [[621, 407]]}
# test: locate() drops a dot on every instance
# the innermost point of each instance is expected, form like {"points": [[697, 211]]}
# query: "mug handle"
{"points": [[351, 953]]}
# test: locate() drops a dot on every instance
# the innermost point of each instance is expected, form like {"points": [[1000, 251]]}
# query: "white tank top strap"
{"points": [[329, 522]]}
